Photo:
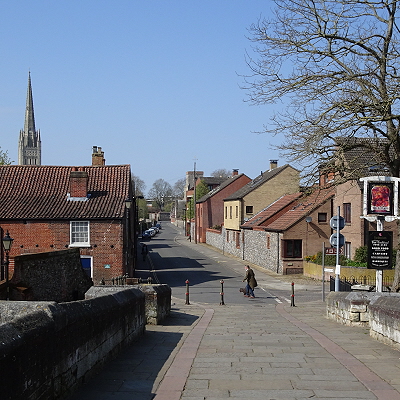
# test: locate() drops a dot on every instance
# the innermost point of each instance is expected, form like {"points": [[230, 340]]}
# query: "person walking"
{"points": [[251, 282]]}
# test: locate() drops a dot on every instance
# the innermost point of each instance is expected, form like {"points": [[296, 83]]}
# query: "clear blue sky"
{"points": [[154, 83]]}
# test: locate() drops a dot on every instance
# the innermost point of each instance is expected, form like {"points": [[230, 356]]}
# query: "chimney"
{"points": [[78, 182], [235, 172], [98, 156], [273, 164]]}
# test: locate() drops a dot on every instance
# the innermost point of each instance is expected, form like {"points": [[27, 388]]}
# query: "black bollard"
{"points": [[222, 293], [292, 299], [187, 291]]}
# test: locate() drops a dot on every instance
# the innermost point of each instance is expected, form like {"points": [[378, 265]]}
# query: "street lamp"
{"points": [[128, 203], [7, 243]]}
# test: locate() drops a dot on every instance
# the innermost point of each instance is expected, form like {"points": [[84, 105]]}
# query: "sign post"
{"points": [[380, 203], [337, 240]]}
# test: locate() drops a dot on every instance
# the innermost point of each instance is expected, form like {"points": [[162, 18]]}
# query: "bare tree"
{"points": [[334, 65], [139, 185], [161, 193], [221, 173], [179, 188]]}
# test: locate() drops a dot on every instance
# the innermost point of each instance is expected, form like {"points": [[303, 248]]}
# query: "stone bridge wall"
{"points": [[378, 311], [48, 349]]}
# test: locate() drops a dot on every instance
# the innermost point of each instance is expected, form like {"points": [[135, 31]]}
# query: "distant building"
{"points": [[29, 145]]}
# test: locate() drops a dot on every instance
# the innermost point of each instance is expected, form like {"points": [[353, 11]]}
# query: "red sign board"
{"points": [[332, 251]]}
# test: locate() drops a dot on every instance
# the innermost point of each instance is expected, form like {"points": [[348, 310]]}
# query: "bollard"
{"points": [[187, 291], [292, 299], [222, 293]]}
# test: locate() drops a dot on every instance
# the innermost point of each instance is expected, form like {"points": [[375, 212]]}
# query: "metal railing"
{"points": [[345, 283]]}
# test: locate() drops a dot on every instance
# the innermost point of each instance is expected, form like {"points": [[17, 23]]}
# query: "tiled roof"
{"points": [[256, 182], [300, 207], [363, 156], [271, 210], [40, 192], [223, 185]]}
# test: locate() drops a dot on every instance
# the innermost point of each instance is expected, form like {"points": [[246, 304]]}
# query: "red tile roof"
{"points": [[40, 192], [293, 207]]}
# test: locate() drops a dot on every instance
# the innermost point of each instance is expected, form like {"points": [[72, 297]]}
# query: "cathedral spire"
{"points": [[29, 125], [29, 147]]}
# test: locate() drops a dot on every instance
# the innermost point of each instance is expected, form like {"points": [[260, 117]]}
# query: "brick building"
{"points": [[210, 207], [257, 194], [49, 208]]}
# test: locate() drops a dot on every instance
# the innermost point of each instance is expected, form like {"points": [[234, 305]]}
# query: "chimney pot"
{"points": [[273, 164], [235, 172], [98, 156]]}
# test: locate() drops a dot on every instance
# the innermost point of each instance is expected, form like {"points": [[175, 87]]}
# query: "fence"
{"points": [[346, 282]]}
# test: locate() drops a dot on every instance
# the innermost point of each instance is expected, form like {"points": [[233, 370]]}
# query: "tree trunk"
{"points": [[396, 279]]}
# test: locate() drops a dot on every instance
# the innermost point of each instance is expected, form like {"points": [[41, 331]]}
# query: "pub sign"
{"points": [[380, 198], [380, 245]]}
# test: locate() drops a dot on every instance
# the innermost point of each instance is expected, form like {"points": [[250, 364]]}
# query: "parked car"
{"points": [[152, 232], [158, 225], [146, 235], [156, 228]]}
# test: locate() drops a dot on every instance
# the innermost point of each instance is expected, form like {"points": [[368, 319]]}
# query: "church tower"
{"points": [[29, 145]]}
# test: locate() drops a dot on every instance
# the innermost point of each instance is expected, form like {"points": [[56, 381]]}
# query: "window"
{"points": [[227, 236], [230, 212], [237, 211], [249, 209], [347, 212], [322, 218], [292, 248], [238, 240], [268, 242], [347, 249], [226, 212], [79, 231]]}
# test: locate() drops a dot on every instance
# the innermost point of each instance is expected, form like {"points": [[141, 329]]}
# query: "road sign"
{"points": [[333, 240], [335, 220]]}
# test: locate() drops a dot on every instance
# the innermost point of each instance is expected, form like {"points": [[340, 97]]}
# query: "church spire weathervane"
{"points": [[29, 146]]}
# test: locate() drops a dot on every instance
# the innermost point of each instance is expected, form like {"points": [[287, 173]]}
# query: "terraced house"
{"points": [[49, 208]]}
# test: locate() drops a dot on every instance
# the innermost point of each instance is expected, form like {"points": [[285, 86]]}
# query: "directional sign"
{"points": [[335, 220], [333, 240]]}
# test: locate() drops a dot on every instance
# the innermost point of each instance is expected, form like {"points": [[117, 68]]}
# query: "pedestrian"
{"points": [[145, 251], [251, 282]]}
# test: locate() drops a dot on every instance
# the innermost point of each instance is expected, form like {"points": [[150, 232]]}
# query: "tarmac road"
{"points": [[173, 260]]}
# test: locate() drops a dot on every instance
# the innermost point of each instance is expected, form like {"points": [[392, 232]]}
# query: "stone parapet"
{"points": [[48, 349], [157, 299], [380, 312]]}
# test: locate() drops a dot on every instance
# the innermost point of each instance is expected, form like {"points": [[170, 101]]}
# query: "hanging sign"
{"points": [[380, 245], [380, 198]]}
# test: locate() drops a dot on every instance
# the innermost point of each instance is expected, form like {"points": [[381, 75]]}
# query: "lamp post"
{"points": [[128, 204], [7, 243]]}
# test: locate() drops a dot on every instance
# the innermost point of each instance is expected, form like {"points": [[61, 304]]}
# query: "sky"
{"points": [[156, 84]]}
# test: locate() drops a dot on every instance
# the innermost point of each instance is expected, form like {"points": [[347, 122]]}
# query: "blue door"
{"points": [[87, 265]]}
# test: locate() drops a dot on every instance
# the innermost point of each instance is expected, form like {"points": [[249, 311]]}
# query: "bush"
{"points": [[361, 254], [329, 259]]}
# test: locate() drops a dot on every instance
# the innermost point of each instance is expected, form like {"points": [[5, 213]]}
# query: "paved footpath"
{"points": [[250, 352]]}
